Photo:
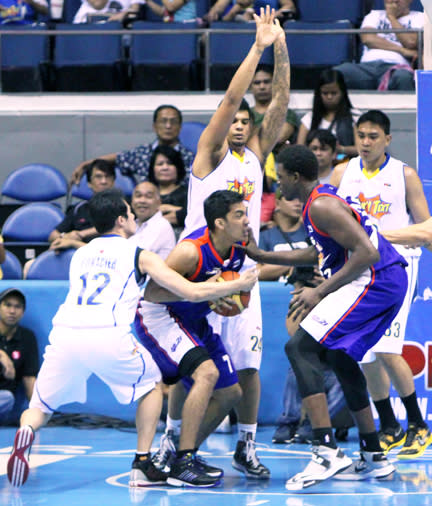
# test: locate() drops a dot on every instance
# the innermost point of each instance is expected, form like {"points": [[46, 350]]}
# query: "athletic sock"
{"points": [[174, 425], [143, 455], [413, 411], [369, 442], [325, 437], [386, 414], [246, 428]]}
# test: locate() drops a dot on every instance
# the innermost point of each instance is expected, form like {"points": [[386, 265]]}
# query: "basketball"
{"points": [[241, 300]]}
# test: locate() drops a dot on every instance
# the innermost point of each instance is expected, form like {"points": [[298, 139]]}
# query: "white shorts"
{"points": [[242, 334], [393, 339], [114, 355]]}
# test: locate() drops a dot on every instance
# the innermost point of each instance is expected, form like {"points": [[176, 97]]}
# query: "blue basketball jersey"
{"points": [[331, 255], [209, 264]]}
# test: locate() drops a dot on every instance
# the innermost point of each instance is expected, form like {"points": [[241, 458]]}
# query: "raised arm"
{"points": [[212, 145], [337, 174], [274, 117]]}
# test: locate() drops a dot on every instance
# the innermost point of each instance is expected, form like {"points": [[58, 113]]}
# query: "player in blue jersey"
{"points": [[183, 343], [364, 287], [91, 334]]}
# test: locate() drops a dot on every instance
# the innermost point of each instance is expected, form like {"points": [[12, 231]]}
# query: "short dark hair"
{"points": [[105, 207], [377, 117], [265, 67], [167, 106], [218, 205], [101, 164], [244, 106], [299, 158], [324, 137], [173, 156]]}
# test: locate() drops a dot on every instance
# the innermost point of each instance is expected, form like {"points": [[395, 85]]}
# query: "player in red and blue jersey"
{"points": [[364, 287]]}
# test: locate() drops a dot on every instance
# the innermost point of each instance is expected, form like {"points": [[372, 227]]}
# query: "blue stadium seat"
{"points": [[89, 62], [11, 267], [23, 58], [125, 183], [51, 265], [190, 134], [70, 8], [34, 182], [163, 61], [316, 11], [228, 50]]}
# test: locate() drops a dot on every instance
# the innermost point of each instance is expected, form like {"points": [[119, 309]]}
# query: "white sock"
{"points": [[246, 428], [174, 425]]}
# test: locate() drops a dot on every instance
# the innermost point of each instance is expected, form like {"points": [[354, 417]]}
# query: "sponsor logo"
{"points": [[319, 320], [246, 188], [374, 206], [177, 342]]}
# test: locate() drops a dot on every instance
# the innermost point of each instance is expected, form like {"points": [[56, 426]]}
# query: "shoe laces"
{"points": [[166, 448], [251, 455]]}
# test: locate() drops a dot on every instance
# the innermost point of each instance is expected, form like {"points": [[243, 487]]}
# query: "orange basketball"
{"points": [[241, 299]]}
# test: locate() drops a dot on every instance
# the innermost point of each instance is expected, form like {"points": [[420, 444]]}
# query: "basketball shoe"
{"points": [[391, 437], [187, 471], [145, 474], [167, 448], [18, 466], [246, 460], [369, 465], [417, 440]]}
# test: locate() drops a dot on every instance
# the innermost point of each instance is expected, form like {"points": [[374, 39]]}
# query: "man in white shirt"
{"points": [[387, 57], [154, 232]]}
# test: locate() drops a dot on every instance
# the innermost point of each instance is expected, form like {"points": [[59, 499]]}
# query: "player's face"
{"points": [[145, 201], [237, 223], [331, 95], [287, 183], [100, 181], [261, 87], [167, 125], [164, 170], [130, 224], [290, 208], [11, 311], [240, 130], [371, 143], [324, 154]]}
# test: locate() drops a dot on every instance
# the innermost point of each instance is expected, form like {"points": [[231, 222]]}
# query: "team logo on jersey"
{"points": [[213, 272], [247, 188], [374, 206]]}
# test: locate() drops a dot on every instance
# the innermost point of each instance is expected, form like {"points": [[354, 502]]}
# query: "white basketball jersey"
{"points": [[382, 196], [240, 174], [103, 290]]}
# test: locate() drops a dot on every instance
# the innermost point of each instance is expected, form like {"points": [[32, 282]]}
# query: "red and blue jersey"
{"points": [[331, 255], [209, 264]]}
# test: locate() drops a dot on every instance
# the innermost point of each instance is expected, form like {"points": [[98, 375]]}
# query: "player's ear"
{"points": [[219, 223]]}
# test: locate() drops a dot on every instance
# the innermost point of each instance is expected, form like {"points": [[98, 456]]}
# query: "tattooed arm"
{"points": [[274, 117]]}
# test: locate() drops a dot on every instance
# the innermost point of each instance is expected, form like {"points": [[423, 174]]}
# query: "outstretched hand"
{"points": [[251, 248], [268, 28]]}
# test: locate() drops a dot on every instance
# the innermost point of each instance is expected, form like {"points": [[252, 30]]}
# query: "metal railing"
{"points": [[206, 34]]}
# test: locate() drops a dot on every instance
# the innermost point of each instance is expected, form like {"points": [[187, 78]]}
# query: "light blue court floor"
{"points": [[72, 466]]}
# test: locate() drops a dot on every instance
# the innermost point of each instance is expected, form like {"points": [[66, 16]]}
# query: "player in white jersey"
{"points": [[91, 334], [230, 156], [392, 194]]}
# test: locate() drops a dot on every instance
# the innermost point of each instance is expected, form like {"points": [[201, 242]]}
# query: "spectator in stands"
{"points": [[167, 172], [153, 233], [243, 10], [388, 58], [22, 12], [332, 110], [19, 358], [174, 10], [113, 10], [167, 121], [323, 144]]}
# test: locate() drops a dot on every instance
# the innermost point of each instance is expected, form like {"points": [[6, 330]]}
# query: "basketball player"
{"points": [[183, 344], [392, 195], [412, 235], [230, 156], [91, 334], [364, 287]]}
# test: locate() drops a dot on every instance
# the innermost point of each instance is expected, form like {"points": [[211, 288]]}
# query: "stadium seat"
{"points": [[51, 265], [311, 53], [190, 134], [321, 12], [227, 50], [89, 62], [23, 59], [26, 230], [83, 192], [163, 61], [125, 183], [11, 267]]}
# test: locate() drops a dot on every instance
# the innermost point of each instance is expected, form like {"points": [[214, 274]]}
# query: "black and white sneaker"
{"points": [[18, 467], [145, 474], [325, 463], [186, 471], [166, 453], [214, 472], [370, 465], [246, 460]]}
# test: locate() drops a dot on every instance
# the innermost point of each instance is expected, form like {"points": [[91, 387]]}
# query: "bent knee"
{"points": [[207, 371]]}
